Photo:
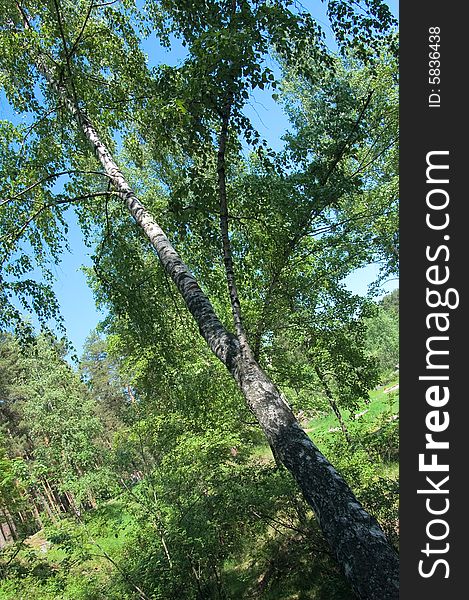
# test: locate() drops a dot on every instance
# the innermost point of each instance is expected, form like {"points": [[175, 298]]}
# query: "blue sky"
{"points": [[75, 298]]}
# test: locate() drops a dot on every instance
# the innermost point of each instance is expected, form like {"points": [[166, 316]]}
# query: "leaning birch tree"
{"points": [[76, 70]]}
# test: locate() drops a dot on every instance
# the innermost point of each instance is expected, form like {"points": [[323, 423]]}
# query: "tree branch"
{"points": [[48, 178], [18, 234], [302, 231], [67, 56], [25, 18], [82, 30], [31, 128], [224, 229]]}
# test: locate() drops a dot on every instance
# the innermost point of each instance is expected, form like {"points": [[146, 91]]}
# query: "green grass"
{"points": [[380, 402]]}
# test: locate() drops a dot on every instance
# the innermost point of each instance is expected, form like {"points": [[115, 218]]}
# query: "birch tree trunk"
{"points": [[366, 557]]}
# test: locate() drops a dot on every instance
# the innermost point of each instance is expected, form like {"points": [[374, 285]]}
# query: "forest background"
{"points": [[137, 470]]}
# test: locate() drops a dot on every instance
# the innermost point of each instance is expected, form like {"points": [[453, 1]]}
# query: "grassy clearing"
{"points": [[381, 402]]}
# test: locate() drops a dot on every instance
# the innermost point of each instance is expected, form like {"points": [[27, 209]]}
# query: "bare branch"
{"points": [[103, 4], [18, 233], [22, 229], [227, 255], [82, 30], [25, 18], [65, 45], [49, 178], [31, 128]]}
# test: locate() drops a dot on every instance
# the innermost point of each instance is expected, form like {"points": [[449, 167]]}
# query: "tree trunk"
{"points": [[42, 499], [50, 499], [3, 539], [56, 497], [34, 509], [227, 255], [8, 521], [333, 403], [344, 522], [367, 559], [362, 550]]}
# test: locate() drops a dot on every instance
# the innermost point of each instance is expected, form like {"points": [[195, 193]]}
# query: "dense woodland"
{"points": [[230, 430]]}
